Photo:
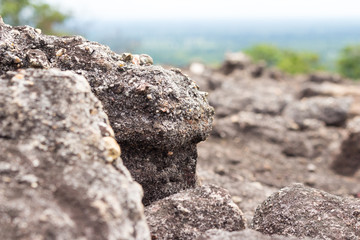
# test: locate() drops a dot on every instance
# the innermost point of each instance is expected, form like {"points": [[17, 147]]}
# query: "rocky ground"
{"points": [[272, 130], [97, 145]]}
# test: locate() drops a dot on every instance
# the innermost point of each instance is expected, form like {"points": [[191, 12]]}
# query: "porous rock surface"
{"points": [[56, 180], [157, 115], [188, 214], [307, 212], [247, 234]]}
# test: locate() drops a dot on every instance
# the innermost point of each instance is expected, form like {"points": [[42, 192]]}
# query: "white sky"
{"points": [[211, 9]]}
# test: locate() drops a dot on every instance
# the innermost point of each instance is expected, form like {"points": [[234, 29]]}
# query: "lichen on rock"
{"points": [[153, 111], [55, 182]]}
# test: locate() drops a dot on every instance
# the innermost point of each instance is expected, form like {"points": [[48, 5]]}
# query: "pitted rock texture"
{"points": [[56, 180], [247, 234], [188, 214], [158, 115], [307, 212], [347, 162]]}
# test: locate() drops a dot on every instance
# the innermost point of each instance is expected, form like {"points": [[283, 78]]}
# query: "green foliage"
{"points": [[269, 53], [348, 63], [35, 13], [286, 60]]}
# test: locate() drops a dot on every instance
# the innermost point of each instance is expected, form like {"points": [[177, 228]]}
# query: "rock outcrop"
{"points": [[61, 176], [188, 214], [307, 212], [158, 115]]}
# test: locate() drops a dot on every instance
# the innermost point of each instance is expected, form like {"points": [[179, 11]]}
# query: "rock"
{"points": [[245, 194], [320, 77], [55, 180], [190, 213], [248, 234], [249, 95], [153, 111], [306, 212], [332, 111], [347, 162], [234, 61]]}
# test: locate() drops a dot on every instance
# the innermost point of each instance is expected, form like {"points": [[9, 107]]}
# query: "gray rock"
{"points": [[158, 115], [306, 212], [265, 96], [332, 111], [190, 213], [247, 234], [56, 150], [347, 162]]}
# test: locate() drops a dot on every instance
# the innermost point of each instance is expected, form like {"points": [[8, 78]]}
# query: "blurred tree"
{"points": [[286, 60], [348, 63], [35, 13], [269, 53]]}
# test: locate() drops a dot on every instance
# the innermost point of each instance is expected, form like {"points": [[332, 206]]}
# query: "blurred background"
{"points": [[294, 36]]}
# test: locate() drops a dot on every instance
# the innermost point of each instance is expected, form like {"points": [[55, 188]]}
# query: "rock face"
{"points": [[348, 161], [56, 180], [190, 213], [158, 115], [306, 212]]}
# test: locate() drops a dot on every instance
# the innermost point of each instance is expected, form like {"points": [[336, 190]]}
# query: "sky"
{"points": [[210, 9]]}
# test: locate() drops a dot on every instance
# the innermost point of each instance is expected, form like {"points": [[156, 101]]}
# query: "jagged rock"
{"points": [[348, 161], [56, 146], [158, 115], [247, 234], [249, 95], [332, 111], [190, 213], [245, 194], [306, 212]]}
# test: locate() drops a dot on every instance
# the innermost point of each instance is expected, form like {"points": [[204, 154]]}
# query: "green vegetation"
{"points": [[349, 62], [286, 60], [35, 13]]}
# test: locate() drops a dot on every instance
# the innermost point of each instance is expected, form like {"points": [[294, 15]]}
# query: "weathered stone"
{"points": [[55, 182], [347, 162], [152, 111], [247, 234], [248, 95], [306, 212], [190, 213], [332, 111]]}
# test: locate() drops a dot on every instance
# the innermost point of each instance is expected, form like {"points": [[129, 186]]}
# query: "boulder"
{"points": [[158, 115], [61, 176], [347, 162], [188, 214], [265, 96], [332, 111], [307, 212]]}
